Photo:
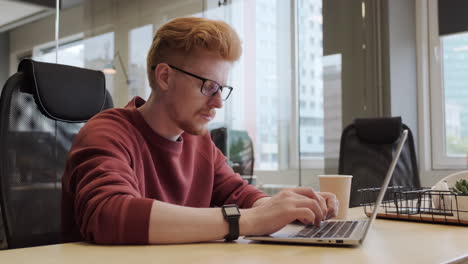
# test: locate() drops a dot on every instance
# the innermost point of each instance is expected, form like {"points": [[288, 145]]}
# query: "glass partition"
{"points": [[285, 115]]}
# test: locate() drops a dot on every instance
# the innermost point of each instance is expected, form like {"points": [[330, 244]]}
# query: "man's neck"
{"points": [[156, 116]]}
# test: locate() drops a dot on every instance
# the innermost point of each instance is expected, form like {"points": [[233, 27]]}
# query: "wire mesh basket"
{"points": [[418, 204]]}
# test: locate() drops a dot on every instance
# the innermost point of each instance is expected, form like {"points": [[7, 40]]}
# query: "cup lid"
{"points": [[336, 176]]}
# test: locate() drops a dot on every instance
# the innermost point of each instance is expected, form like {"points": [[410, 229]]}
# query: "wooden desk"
{"points": [[388, 241]]}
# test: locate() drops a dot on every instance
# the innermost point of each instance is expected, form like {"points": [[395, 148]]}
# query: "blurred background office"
{"points": [[309, 68]]}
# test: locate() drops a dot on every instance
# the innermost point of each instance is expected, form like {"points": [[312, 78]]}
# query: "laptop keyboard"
{"points": [[342, 229]]}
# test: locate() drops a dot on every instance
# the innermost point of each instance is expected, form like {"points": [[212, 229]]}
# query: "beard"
{"points": [[193, 129], [189, 126]]}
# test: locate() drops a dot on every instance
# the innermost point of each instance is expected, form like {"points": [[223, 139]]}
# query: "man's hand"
{"points": [[272, 214], [332, 204]]}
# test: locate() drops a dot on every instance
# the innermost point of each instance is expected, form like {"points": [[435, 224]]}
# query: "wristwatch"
{"points": [[232, 214]]}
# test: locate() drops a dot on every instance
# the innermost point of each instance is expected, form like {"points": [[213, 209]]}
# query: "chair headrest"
{"points": [[62, 92], [378, 130]]}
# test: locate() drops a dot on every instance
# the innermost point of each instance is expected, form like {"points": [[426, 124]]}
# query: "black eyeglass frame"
{"points": [[220, 87]]}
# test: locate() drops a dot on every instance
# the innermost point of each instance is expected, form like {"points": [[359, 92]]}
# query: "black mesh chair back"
{"points": [[239, 145], [42, 108], [366, 150]]}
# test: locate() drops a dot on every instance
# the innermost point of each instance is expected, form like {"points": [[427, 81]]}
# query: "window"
{"points": [[71, 52], [99, 54], [270, 71], [262, 79], [312, 73], [140, 40], [312, 105], [302, 104], [312, 56], [449, 92], [94, 53], [455, 79]]}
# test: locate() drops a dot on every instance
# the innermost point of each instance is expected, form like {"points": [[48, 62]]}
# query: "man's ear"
{"points": [[161, 73]]}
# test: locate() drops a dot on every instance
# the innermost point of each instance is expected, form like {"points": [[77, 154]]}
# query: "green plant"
{"points": [[235, 150], [461, 187]]}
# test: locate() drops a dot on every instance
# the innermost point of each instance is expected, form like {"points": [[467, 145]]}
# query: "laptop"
{"points": [[335, 232]]}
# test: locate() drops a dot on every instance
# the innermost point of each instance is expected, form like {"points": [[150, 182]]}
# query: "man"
{"points": [[149, 173]]}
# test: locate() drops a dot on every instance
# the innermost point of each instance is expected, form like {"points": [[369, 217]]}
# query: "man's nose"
{"points": [[216, 101]]}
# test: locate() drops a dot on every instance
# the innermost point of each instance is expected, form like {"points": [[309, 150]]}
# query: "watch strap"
{"points": [[233, 229]]}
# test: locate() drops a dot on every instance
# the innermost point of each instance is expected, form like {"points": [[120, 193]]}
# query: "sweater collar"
{"points": [[148, 133]]}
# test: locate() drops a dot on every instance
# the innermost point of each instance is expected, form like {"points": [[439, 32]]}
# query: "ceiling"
{"points": [[14, 11]]}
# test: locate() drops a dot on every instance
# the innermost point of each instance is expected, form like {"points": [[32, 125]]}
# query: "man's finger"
{"points": [[310, 193], [313, 206], [305, 215], [332, 203]]}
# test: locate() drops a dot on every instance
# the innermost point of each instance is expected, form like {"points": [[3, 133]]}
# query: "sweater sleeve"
{"points": [[229, 187], [108, 205]]}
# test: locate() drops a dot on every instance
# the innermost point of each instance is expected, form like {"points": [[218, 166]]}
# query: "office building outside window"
{"points": [[455, 80]]}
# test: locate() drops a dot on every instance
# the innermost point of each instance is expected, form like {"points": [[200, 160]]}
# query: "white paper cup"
{"points": [[340, 185]]}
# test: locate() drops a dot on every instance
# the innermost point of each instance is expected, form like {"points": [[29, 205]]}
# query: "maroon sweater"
{"points": [[118, 166]]}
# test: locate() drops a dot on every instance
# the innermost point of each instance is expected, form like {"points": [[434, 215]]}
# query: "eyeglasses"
{"points": [[208, 87]]}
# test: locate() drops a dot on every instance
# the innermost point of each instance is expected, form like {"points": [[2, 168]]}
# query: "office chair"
{"points": [[239, 145], [42, 108], [366, 150]]}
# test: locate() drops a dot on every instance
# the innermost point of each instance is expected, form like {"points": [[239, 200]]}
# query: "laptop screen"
{"points": [[384, 187]]}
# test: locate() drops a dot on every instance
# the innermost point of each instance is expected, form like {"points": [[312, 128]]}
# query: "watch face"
{"points": [[231, 211]]}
